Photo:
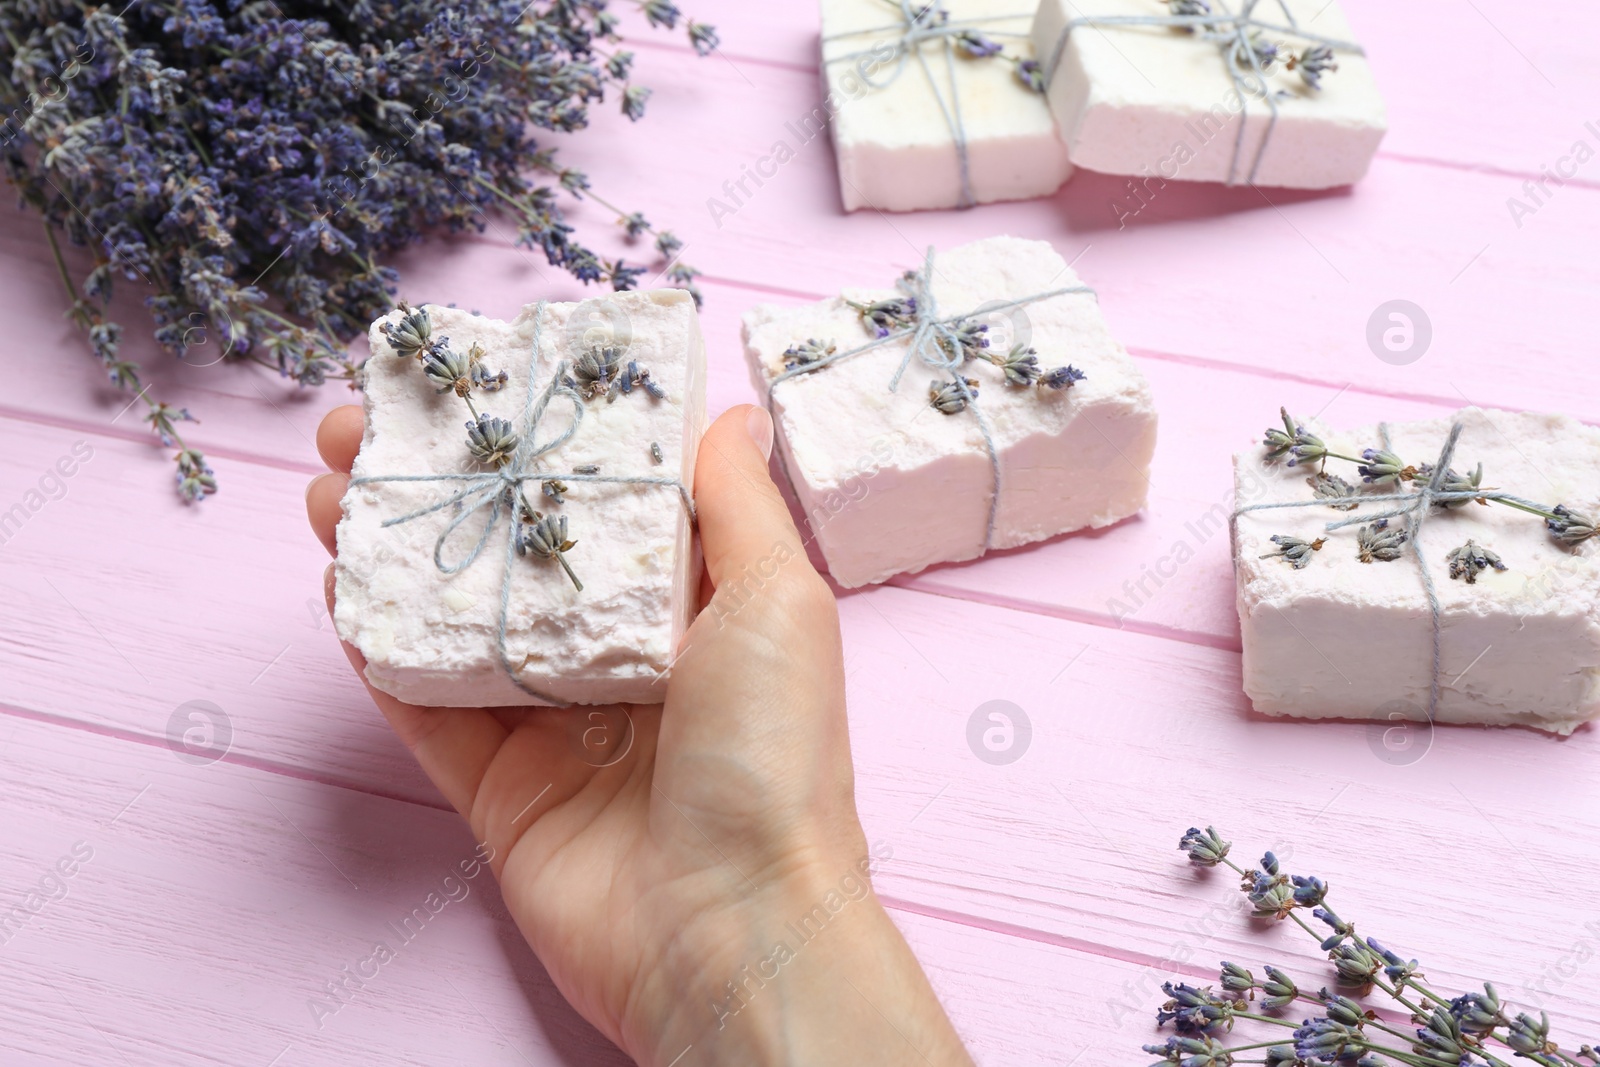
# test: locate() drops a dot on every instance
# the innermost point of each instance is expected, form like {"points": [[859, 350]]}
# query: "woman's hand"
{"points": [[693, 876]]}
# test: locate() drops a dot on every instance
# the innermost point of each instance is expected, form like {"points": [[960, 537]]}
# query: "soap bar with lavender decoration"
{"points": [[935, 104], [1013, 414], [518, 529], [1275, 92], [1340, 623]]}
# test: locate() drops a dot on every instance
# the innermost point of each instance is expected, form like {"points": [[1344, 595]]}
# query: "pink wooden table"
{"points": [[219, 900]]}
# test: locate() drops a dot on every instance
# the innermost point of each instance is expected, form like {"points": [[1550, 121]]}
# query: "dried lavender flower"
{"points": [[1191, 1052], [1570, 527], [491, 440], [1531, 1038], [808, 352], [1021, 366], [1194, 1011], [1354, 963], [1062, 377], [948, 398], [1278, 988], [1236, 979], [1440, 1039], [545, 536], [1478, 1013], [1329, 1041], [1278, 442], [1188, 7], [599, 371], [1380, 541], [1334, 489], [1456, 483], [1030, 74], [1383, 468], [412, 334], [449, 370], [1340, 928], [1294, 549], [965, 338], [1470, 560], [1312, 64], [1257, 51], [196, 480], [886, 316], [1204, 847], [975, 45], [554, 489]]}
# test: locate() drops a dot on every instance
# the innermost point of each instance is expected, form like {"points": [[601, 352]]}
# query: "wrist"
{"points": [[808, 968]]}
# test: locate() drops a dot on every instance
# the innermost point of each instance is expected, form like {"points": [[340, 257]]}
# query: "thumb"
{"points": [[744, 522]]}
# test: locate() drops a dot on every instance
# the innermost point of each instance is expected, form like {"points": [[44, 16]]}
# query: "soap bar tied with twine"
{"points": [[512, 450], [1246, 55], [944, 344], [1436, 486], [930, 23]]}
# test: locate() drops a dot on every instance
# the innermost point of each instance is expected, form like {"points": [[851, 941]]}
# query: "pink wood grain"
{"points": [[1046, 896]]}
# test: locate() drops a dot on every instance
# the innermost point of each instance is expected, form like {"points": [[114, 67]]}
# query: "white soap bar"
{"points": [[892, 485], [895, 146], [1340, 638], [1160, 102], [429, 637]]}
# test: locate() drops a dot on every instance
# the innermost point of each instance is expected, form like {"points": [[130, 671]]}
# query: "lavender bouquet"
{"points": [[248, 165], [1470, 1030]]}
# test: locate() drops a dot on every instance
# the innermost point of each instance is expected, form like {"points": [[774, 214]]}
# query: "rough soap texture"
{"points": [[891, 485], [894, 147], [1158, 102], [1344, 639], [429, 637]]}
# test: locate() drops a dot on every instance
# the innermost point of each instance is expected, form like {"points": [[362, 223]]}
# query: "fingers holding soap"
{"points": [[338, 441], [323, 507], [743, 518], [339, 437]]}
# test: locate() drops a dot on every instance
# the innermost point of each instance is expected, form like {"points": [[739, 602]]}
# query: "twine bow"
{"points": [[933, 341], [501, 489], [1414, 508], [918, 25], [1232, 33]]}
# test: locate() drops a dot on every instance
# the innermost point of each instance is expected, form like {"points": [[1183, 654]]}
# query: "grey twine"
{"points": [[1231, 32], [500, 488], [1414, 508], [915, 28], [936, 345]]}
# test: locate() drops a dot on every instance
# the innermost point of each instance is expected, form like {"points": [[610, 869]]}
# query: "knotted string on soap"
{"points": [[1231, 32], [502, 487], [934, 342], [1414, 508], [915, 29]]}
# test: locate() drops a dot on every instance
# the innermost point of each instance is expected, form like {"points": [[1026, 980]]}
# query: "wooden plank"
{"points": [[209, 909]]}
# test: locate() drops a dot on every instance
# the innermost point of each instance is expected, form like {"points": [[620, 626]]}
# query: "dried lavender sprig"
{"points": [[1381, 467], [1464, 1023], [258, 160]]}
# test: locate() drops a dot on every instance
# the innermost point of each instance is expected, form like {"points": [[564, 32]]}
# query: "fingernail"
{"points": [[759, 426]]}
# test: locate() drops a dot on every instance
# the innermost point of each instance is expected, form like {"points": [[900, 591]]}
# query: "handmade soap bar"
{"points": [[1337, 637], [896, 480], [902, 108], [1161, 102], [430, 637]]}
